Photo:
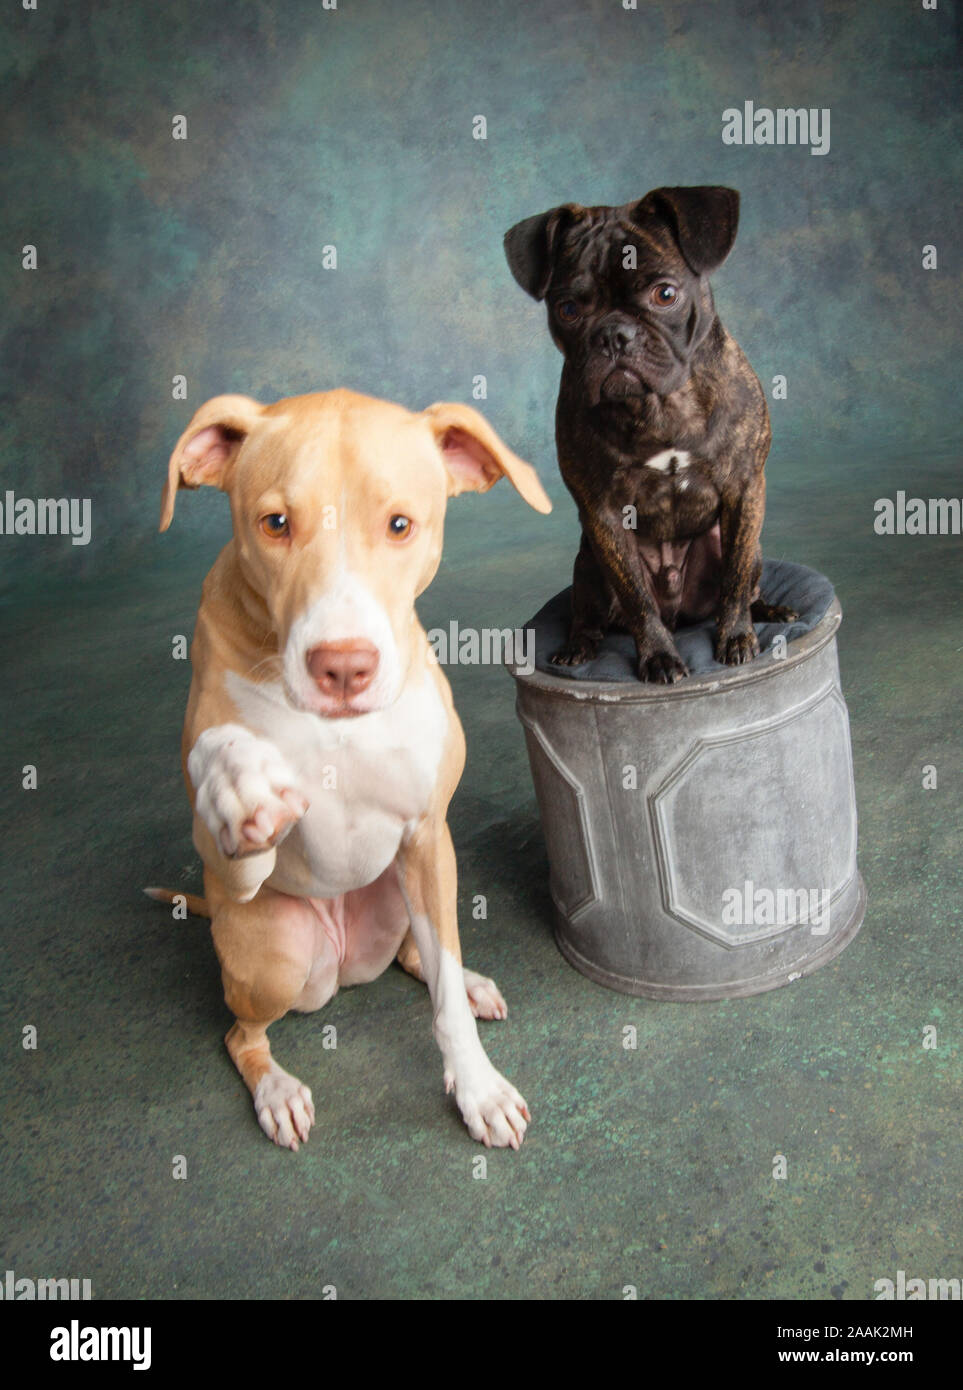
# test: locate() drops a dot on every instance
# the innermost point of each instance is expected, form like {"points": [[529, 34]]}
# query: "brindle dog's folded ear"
{"points": [[703, 220], [530, 247]]}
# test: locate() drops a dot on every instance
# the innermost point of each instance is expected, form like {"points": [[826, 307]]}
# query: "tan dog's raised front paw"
{"points": [[247, 795]]}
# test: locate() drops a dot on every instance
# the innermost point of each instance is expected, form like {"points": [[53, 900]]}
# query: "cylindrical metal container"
{"points": [[701, 836]]}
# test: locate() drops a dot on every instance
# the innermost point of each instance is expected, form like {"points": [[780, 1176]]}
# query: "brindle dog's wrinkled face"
{"points": [[626, 289]]}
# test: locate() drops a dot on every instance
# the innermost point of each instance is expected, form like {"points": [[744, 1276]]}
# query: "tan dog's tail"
{"points": [[196, 906]]}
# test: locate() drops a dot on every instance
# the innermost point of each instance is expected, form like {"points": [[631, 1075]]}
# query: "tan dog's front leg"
{"points": [[492, 1109], [484, 996]]}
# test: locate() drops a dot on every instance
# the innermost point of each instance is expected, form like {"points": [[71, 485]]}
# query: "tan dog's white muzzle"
{"points": [[341, 655]]}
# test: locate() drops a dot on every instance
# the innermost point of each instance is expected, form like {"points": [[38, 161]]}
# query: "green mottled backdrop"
{"points": [[353, 127], [651, 1168]]}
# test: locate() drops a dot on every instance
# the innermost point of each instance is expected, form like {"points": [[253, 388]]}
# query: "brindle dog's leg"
{"points": [[591, 610], [740, 524], [658, 660]]}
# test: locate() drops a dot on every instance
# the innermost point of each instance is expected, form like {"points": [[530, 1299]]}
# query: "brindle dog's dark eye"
{"points": [[567, 310], [663, 294], [399, 528], [275, 525]]}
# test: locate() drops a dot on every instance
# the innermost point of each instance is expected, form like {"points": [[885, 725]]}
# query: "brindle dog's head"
{"points": [[628, 298]]}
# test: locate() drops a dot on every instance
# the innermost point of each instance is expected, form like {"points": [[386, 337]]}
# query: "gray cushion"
{"points": [[795, 586]]}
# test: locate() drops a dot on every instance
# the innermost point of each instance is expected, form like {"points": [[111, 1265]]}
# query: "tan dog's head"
{"points": [[338, 503]]}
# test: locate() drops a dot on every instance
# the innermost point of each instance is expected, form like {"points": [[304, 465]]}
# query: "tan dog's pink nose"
{"points": [[343, 668]]}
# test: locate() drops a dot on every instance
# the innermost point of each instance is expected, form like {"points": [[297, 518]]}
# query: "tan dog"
{"points": [[321, 746]]}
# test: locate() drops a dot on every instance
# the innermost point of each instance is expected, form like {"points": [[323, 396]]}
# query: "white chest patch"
{"points": [[670, 461], [366, 778]]}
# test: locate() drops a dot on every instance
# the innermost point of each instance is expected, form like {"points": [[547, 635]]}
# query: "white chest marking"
{"points": [[669, 461], [366, 778]]}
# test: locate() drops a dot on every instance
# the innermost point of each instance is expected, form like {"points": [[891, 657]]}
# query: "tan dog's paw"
{"points": [[268, 826], [484, 996], [247, 795], [284, 1108], [495, 1113]]}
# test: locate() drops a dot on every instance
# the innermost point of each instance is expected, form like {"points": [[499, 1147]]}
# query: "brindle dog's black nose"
{"points": [[615, 338]]}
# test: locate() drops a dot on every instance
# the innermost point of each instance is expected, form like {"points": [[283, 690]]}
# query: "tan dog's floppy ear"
{"points": [[703, 220], [476, 458], [206, 449]]}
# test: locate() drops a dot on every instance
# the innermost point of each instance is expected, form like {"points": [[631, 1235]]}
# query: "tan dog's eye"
{"points": [[663, 294], [275, 525], [399, 528]]}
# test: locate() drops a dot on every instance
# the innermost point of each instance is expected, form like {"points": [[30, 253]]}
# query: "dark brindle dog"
{"points": [[661, 426]]}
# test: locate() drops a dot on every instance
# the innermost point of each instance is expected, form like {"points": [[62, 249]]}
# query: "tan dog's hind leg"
{"points": [[484, 996], [495, 1113], [268, 950]]}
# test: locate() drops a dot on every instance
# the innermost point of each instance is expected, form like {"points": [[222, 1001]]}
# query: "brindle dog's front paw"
{"points": [[662, 668], [576, 652], [738, 648]]}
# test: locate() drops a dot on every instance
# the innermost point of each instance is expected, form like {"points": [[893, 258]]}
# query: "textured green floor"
{"points": [[651, 1168]]}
